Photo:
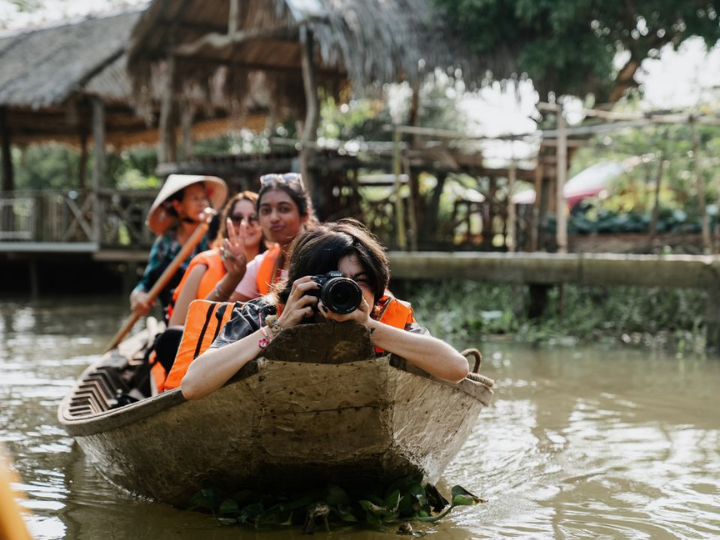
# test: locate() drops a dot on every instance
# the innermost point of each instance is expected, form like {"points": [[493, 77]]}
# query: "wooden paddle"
{"points": [[12, 526], [163, 280]]}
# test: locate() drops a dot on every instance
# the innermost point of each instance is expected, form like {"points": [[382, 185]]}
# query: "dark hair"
{"points": [[168, 203], [227, 209], [295, 190], [319, 250]]}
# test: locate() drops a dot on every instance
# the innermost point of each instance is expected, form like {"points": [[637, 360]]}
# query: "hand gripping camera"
{"points": [[338, 293]]}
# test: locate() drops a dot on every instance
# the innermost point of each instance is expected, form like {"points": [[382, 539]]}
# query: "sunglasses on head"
{"points": [[236, 219], [287, 178]]}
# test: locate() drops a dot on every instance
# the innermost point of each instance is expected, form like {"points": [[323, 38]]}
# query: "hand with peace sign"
{"points": [[233, 249]]}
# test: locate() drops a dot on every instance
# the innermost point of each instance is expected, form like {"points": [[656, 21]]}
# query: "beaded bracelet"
{"points": [[273, 324], [264, 341]]}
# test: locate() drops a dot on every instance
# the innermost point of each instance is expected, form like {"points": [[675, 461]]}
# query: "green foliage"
{"points": [[464, 310], [568, 46], [633, 193], [405, 499], [54, 166]]}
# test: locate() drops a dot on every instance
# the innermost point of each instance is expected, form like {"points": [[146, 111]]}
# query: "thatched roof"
{"points": [[47, 77], [367, 42], [42, 68]]}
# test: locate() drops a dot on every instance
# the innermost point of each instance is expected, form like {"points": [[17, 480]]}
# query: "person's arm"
{"points": [[188, 293], [424, 351], [138, 297], [217, 365]]}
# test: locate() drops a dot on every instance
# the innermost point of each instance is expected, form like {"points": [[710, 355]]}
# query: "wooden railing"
{"points": [[108, 218]]}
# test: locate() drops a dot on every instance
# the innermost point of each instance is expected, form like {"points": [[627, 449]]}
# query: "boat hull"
{"points": [[282, 425]]}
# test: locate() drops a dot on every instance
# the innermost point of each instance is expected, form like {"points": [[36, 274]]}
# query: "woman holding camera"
{"points": [[346, 247]]}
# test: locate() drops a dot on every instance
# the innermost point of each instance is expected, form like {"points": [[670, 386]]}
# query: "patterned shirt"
{"points": [[164, 250]]}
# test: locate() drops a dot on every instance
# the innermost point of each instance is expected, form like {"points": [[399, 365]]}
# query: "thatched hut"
{"points": [[291, 48], [68, 83]]}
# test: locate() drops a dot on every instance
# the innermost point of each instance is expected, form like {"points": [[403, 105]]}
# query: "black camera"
{"points": [[338, 293]]}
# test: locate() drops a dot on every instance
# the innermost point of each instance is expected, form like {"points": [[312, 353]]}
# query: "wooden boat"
{"points": [[318, 407]]}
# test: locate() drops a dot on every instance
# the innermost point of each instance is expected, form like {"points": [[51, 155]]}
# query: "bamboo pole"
{"points": [[399, 211], [163, 280], [561, 176], [700, 185]]}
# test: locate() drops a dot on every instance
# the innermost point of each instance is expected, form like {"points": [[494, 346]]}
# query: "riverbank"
{"points": [[669, 319]]}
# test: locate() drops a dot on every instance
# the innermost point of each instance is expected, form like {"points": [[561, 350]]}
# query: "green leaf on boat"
{"points": [[228, 506], [462, 497]]}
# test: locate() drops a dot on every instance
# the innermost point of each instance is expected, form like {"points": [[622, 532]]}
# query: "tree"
{"points": [[569, 46]]}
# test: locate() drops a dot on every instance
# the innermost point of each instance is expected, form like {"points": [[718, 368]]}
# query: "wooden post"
{"points": [[700, 184], [312, 117], [414, 193], [561, 176], [8, 179], [656, 195], [186, 122], [99, 164], [712, 314], [511, 217], [82, 165], [399, 210], [167, 142], [535, 215], [233, 17]]}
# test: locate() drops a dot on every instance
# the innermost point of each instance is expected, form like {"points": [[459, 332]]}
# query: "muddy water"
{"points": [[580, 443]]}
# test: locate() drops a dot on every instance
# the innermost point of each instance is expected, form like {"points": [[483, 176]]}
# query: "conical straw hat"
{"points": [[158, 219]]}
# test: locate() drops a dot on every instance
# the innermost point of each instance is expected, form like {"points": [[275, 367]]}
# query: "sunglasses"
{"points": [[287, 178], [237, 219]]}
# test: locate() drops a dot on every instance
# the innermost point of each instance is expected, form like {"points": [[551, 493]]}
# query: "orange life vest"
{"points": [[266, 271], [394, 312], [214, 273], [204, 321]]}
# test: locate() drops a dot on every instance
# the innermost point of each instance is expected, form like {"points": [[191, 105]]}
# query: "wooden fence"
{"points": [[106, 218]]}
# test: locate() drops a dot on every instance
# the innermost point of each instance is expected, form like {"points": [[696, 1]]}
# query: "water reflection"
{"points": [[579, 444]]}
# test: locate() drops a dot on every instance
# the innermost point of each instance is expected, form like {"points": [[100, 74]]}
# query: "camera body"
{"points": [[339, 294]]}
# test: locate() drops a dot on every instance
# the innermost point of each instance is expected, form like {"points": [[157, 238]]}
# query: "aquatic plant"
{"points": [[400, 502]]}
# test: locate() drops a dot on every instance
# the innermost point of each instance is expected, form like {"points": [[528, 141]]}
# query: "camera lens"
{"points": [[341, 295]]}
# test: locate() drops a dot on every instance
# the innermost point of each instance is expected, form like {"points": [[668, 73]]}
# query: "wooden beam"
{"points": [[691, 271], [222, 41]]}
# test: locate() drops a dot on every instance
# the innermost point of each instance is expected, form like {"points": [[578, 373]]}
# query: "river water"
{"points": [[580, 442]]}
